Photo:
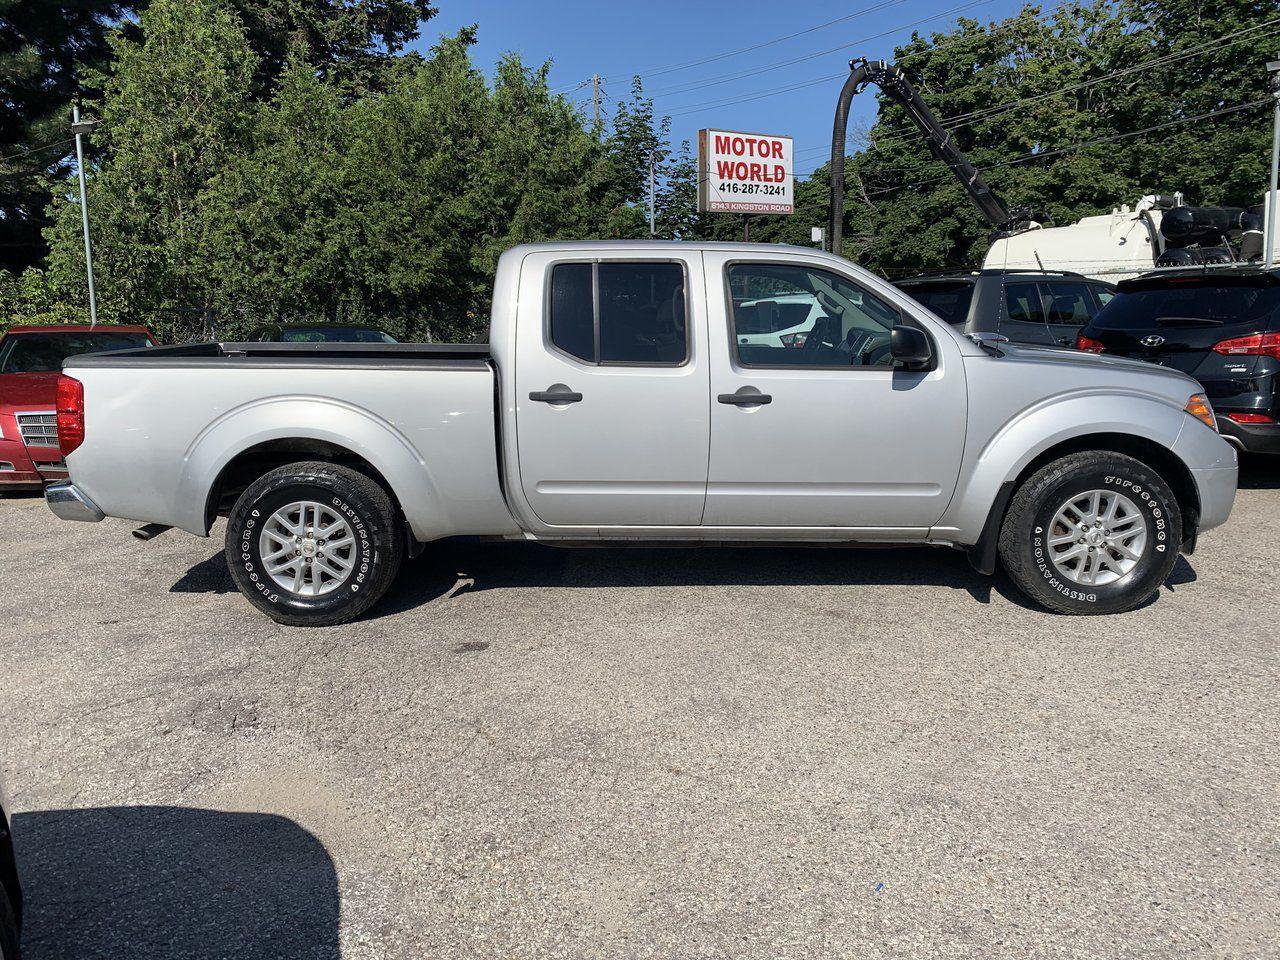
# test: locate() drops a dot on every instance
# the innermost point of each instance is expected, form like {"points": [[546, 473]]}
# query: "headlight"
{"points": [[1198, 406]]}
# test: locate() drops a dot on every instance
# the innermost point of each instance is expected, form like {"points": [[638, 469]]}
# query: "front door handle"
{"points": [[743, 399], [556, 393]]}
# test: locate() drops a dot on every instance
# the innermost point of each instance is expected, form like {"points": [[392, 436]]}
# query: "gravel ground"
{"points": [[532, 752]]}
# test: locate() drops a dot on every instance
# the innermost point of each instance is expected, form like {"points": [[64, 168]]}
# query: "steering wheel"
{"points": [[814, 343]]}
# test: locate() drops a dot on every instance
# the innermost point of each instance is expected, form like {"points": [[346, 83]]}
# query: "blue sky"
{"points": [[619, 39]]}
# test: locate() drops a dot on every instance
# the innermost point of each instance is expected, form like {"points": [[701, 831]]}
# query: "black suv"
{"points": [[1221, 325], [1046, 308]]}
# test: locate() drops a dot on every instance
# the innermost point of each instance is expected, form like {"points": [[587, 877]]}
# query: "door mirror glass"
{"points": [[910, 347]]}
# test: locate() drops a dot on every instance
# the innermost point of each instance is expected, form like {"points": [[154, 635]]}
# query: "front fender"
{"points": [[1003, 455], [310, 418]]}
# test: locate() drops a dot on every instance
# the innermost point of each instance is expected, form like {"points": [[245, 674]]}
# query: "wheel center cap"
{"points": [[1096, 538], [308, 547]]}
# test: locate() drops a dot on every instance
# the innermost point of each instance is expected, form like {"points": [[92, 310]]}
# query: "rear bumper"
{"points": [[68, 503], [1253, 437]]}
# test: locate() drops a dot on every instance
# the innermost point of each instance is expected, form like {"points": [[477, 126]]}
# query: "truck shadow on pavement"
{"points": [[466, 566], [451, 567], [152, 882]]}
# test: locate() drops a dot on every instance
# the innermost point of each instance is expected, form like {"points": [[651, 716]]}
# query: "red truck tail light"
{"points": [[1257, 345], [70, 414], [1088, 344]]}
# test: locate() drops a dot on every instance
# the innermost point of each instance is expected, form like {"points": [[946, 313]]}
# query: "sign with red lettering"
{"points": [[744, 173]]}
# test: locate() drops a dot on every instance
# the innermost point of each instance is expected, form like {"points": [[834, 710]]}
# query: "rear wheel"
{"points": [[1091, 533], [313, 544]]}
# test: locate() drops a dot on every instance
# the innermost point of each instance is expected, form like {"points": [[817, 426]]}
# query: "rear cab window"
{"points": [[619, 312]]}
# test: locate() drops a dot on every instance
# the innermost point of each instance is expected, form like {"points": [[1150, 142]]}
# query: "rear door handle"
{"points": [[741, 399], [556, 393]]}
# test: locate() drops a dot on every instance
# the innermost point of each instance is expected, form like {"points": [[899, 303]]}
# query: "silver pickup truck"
{"points": [[630, 392]]}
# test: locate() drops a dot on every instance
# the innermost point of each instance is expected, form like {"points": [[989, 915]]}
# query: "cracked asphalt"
{"points": [[530, 752]]}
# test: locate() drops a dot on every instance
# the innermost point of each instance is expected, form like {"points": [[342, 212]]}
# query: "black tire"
{"points": [[10, 949], [1024, 548], [360, 501]]}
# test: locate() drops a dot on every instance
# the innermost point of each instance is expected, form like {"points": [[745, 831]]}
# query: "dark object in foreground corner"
{"points": [[162, 882]]}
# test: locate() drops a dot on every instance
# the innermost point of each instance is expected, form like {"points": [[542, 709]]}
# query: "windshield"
{"points": [[949, 299], [43, 352], [1227, 305], [334, 335]]}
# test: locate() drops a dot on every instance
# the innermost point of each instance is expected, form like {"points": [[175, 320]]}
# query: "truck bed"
{"points": [[376, 354], [163, 424]]}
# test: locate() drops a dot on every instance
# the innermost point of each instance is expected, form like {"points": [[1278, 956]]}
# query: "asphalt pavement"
{"points": [[531, 752]]}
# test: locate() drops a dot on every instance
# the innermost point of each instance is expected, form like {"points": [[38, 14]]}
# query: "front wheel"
{"points": [[313, 544], [1091, 533]]}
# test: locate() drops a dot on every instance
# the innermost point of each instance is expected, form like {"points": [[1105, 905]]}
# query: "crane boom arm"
{"points": [[894, 83]]}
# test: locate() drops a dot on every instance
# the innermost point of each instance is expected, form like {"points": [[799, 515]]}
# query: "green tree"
{"points": [[176, 109], [42, 45], [350, 42], [53, 53]]}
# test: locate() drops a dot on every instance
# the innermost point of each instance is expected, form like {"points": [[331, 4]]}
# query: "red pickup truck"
{"points": [[30, 361]]}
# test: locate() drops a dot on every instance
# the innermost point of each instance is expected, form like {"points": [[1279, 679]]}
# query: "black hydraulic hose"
{"points": [[857, 74]]}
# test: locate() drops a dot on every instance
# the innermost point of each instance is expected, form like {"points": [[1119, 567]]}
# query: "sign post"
{"points": [[747, 173]]}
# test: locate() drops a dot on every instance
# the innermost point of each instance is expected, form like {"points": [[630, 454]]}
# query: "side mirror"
{"points": [[910, 347]]}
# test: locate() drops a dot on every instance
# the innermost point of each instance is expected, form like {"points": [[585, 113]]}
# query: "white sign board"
{"points": [[744, 173]]}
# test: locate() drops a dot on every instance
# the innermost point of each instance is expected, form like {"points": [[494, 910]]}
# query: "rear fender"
{"points": [[1038, 428], [311, 418]]}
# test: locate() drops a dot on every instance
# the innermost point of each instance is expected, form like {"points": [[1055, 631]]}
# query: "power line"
{"points": [[47, 146], [673, 68], [957, 121], [692, 108], [769, 43], [768, 68], [1073, 147], [758, 96], [1069, 148]]}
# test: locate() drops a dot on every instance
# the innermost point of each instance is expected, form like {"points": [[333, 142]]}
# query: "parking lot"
{"points": [[628, 753]]}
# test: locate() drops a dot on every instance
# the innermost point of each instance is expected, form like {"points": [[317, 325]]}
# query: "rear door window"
{"points": [[1068, 303], [619, 312], [1022, 303]]}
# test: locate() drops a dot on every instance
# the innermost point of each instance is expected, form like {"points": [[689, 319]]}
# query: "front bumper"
{"points": [[68, 502]]}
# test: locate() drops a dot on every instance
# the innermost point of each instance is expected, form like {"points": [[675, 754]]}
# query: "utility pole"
{"points": [[1273, 198], [80, 129], [595, 100], [653, 222]]}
